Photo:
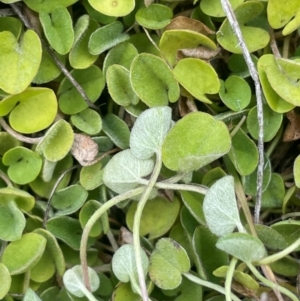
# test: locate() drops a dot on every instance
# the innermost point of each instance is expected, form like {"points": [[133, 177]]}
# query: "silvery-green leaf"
{"points": [[242, 246], [124, 265], [124, 170], [73, 281], [220, 208], [31, 296], [149, 132]]}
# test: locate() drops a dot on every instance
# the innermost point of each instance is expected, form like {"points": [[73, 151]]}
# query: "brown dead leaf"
{"points": [[292, 131], [182, 22], [201, 52]]}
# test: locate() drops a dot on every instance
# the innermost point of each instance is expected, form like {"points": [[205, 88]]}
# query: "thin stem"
{"points": [[6, 179], [238, 126], [61, 66], [273, 43], [136, 225], [53, 191], [93, 219], [211, 285], [279, 255], [274, 142], [18, 136], [270, 283], [260, 169], [229, 276], [112, 240], [286, 45]]}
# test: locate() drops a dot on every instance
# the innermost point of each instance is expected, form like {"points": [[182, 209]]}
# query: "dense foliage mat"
{"points": [[129, 165]]}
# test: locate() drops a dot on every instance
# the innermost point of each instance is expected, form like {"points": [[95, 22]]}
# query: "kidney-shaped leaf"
{"points": [[124, 264], [69, 200], [175, 39], [58, 29], [23, 254], [5, 280], [197, 77], [31, 111], [47, 5], [119, 86], [167, 262], [220, 207], [116, 8], [12, 222], [149, 131], [31, 296], [24, 165], [107, 37], [73, 281], [57, 142], [235, 93], [194, 142], [214, 8], [124, 171], [155, 16], [242, 246], [150, 71], [255, 37], [19, 62], [158, 216]]}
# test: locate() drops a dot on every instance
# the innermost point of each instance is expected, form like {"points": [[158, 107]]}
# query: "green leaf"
{"points": [[69, 200], [242, 246], [155, 16], [243, 153], [91, 80], [48, 70], [86, 212], [119, 86], [275, 101], [235, 93], [23, 254], [58, 29], [5, 280], [12, 222], [124, 171], [220, 207], [272, 123], [286, 12], [280, 80], [250, 181], [107, 37], [57, 142], [44, 269], [296, 171], [212, 176], [122, 54], [214, 8], [194, 203], [188, 71], [54, 250], [23, 199], [88, 121], [194, 142], [11, 24], [167, 262], [70, 233], [73, 281], [238, 65], [47, 5], [173, 40], [117, 130], [124, 264], [116, 8], [39, 105], [80, 57], [149, 132], [208, 255], [151, 71], [20, 60], [255, 37], [286, 266], [24, 165], [273, 196], [158, 217], [7, 142]]}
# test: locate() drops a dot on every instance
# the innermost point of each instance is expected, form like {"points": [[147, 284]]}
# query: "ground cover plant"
{"points": [[149, 150]]}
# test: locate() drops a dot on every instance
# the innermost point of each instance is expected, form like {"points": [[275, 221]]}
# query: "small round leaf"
{"points": [[116, 8]]}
